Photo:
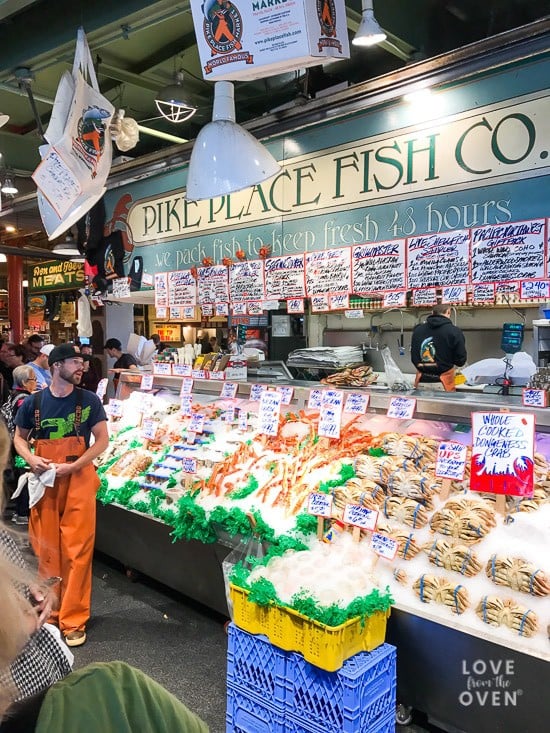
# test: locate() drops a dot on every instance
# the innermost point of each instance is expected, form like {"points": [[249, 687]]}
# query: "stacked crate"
{"points": [[273, 691]]}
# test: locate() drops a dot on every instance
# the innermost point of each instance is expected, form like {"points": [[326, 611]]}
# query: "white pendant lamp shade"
{"points": [[67, 248], [369, 32], [226, 158]]}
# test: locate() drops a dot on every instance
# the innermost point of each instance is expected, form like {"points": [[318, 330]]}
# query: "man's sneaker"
{"points": [[75, 638], [20, 520]]}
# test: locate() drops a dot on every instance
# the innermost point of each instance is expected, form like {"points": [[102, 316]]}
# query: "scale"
{"points": [[511, 341]]}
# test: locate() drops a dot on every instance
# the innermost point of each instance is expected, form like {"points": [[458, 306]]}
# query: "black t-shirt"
{"points": [[125, 361]]}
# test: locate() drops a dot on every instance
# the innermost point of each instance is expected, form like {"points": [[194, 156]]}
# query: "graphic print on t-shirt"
{"points": [[64, 425], [427, 351]]}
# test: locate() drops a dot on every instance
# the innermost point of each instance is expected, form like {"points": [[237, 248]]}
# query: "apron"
{"points": [[62, 528], [447, 379]]}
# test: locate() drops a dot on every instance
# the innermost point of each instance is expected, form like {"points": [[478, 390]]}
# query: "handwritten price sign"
{"points": [[256, 392], [357, 403], [243, 421], [360, 516], [535, 397], [147, 382], [401, 408], [186, 386], [286, 394], [320, 505], [330, 416], [268, 412], [229, 391], [451, 461], [149, 429], [181, 370], [383, 546], [197, 424], [189, 465], [186, 400], [114, 408], [198, 374], [315, 399], [395, 298], [295, 305], [162, 368], [101, 388]]}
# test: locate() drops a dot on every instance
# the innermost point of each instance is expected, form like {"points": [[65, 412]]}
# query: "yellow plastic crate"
{"points": [[326, 647]]}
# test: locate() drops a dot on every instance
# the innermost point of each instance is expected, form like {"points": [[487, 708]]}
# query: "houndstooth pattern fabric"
{"points": [[42, 661]]}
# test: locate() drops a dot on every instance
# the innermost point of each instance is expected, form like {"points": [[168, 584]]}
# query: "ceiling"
{"points": [[138, 45]]}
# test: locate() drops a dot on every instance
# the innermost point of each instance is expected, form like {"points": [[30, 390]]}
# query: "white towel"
{"points": [[36, 484]]}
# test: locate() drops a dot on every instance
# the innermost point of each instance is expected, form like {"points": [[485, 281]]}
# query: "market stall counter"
{"points": [[190, 463]]}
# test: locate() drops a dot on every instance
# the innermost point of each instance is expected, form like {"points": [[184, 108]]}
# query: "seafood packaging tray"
{"points": [[271, 690], [326, 647]]}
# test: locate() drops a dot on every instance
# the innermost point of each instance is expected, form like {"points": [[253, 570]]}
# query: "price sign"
{"points": [[121, 287], [186, 386], [339, 301], [330, 416], [243, 421], [286, 394], [534, 397], [114, 408], [268, 413], [216, 376], [450, 462], [229, 414], [149, 428], [162, 368], [101, 388], [395, 298], [383, 546], [189, 465], [161, 312], [197, 424], [426, 296], [238, 309], [222, 309], [315, 399], [186, 402], [198, 374], [319, 303], [357, 403], [175, 313], [320, 504], [401, 408], [295, 305], [190, 438], [147, 382], [360, 516], [189, 313], [530, 289], [181, 370], [484, 293], [256, 391], [229, 391], [207, 309], [454, 294], [354, 313]]}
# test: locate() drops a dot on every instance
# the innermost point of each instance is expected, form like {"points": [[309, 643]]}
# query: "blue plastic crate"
{"points": [[245, 714], [387, 725], [355, 699], [256, 666]]}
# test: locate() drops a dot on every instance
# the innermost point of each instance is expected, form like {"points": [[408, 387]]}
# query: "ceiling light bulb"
{"points": [[369, 32], [3, 258], [10, 228], [172, 104], [9, 188], [25, 283]]}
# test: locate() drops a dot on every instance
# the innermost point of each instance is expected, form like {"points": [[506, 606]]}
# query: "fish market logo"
{"points": [[326, 14], [489, 683], [427, 351], [223, 32], [90, 143]]}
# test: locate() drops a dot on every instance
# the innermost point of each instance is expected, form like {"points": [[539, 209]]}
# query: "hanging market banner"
{"points": [[55, 275]]}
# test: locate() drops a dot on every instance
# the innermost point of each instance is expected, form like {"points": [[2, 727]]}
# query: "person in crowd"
{"points": [[232, 346], [93, 371], [62, 418], [13, 355], [214, 345], [5, 371], [24, 383], [41, 368], [436, 347], [113, 347], [204, 341], [155, 338], [33, 345]]}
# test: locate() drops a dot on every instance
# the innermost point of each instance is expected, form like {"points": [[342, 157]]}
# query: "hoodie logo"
{"points": [[427, 351]]}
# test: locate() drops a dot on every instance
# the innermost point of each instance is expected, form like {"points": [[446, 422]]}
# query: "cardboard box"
{"points": [[259, 38]]}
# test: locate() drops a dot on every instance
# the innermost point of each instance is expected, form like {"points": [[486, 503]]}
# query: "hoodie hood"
{"points": [[436, 321]]}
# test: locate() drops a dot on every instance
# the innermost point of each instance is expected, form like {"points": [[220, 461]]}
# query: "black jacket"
{"points": [[437, 345]]}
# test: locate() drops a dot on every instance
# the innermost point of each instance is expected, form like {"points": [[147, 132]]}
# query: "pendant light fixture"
{"points": [[226, 158], [171, 101], [9, 188], [369, 32], [67, 248]]}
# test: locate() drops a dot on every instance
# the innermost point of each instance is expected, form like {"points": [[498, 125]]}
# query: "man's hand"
{"points": [[43, 602], [63, 469], [38, 464]]}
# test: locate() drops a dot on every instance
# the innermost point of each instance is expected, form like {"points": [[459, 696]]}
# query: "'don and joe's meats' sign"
{"points": [[55, 275]]}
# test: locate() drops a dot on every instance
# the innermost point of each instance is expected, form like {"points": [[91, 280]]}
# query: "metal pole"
{"points": [[15, 297]]}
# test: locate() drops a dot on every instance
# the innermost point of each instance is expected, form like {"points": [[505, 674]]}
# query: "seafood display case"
{"points": [[471, 583]]}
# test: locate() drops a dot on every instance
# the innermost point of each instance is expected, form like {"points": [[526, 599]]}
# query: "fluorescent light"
{"points": [[369, 32]]}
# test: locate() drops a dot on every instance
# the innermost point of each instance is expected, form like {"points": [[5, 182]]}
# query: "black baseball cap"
{"points": [[113, 344], [64, 351]]}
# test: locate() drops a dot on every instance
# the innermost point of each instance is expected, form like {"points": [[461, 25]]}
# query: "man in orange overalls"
{"points": [[61, 420]]}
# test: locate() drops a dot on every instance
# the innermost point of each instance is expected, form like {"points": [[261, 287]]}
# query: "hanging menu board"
{"points": [[438, 259], [182, 288], [505, 252], [285, 277], [161, 290], [246, 281], [378, 266], [328, 271], [213, 284]]}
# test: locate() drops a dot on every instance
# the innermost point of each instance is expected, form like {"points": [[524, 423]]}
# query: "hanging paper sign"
{"points": [[320, 505], [147, 279], [181, 370], [57, 182], [383, 546], [328, 271], [114, 408], [484, 293], [339, 301], [360, 516], [504, 252], [189, 464], [161, 312], [162, 368], [395, 299], [229, 414], [269, 412], [256, 391], [186, 403], [502, 453], [453, 294], [401, 408], [182, 288], [186, 386], [246, 281], [213, 284], [121, 287], [254, 308], [149, 429], [102, 388], [531, 289], [161, 290], [286, 394], [450, 461], [229, 391], [206, 310], [147, 382], [295, 305], [222, 309], [438, 259], [198, 373], [330, 415], [378, 266], [354, 313], [238, 309], [356, 403], [315, 399], [285, 277], [197, 423], [428, 296], [319, 303], [534, 397], [189, 313]]}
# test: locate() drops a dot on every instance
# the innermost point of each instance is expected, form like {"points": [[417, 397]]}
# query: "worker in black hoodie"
{"points": [[436, 347]]}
